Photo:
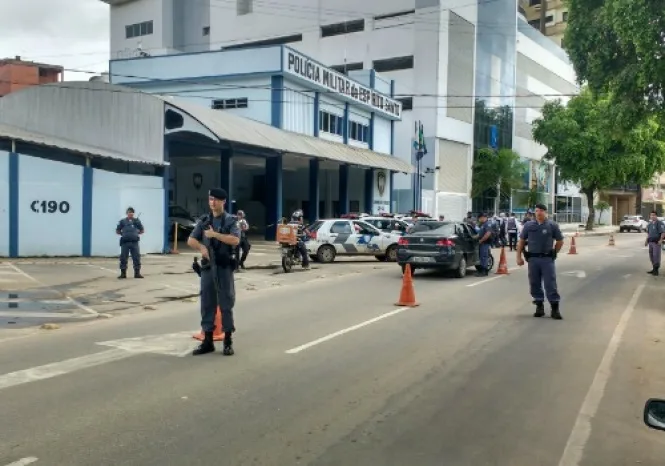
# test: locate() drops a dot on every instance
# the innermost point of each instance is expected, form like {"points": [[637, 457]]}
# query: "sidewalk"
{"points": [[569, 229]]}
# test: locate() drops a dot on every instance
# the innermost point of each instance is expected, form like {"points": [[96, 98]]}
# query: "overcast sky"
{"points": [[70, 33]]}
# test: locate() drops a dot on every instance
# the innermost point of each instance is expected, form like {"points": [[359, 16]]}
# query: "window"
{"points": [[394, 15], [393, 64], [549, 19], [329, 123], [139, 29], [358, 132], [206, 31], [347, 27], [341, 227], [407, 103], [226, 104], [564, 16], [534, 2], [347, 67], [264, 42], [244, 7]]}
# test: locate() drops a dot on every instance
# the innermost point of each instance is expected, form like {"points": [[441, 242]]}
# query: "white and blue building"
{"points": [[276, 129]]}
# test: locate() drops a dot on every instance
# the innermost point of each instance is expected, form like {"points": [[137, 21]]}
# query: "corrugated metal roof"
{"points": [[245, 131], [11, 132]]}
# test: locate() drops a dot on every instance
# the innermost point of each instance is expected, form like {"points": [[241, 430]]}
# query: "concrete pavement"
{"points": [[331, 372]]}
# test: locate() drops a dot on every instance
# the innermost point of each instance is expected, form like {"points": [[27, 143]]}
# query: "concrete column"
{"points": [[369, 190], [13, 203], [343, 189], [392, 191], [273, 200], [313, 213], [87, 209]]}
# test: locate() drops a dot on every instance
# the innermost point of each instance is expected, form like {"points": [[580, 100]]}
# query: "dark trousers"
{"points": [[654, 253], [303, 252], [484, 251], [131, 247], [542, 272], [512, 240], [223, 295], [244, 246]]}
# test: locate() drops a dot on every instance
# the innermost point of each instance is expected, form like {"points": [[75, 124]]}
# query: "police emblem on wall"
{"points": [[197, 179], [381, 182]]}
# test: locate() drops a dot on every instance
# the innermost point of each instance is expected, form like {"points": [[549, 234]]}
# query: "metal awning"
{"points": [[18, 134], [241, 130]]}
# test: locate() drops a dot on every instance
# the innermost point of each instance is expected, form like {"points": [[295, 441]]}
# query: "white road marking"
{"points": [[572, 454], [172, 344], [162, 284], [628, 275], [71, 300], [24, 461], [480, 282], [63, 367], [300, 348], [576, 273]]}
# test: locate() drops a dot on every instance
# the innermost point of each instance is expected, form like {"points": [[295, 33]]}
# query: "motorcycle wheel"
{"points": [[287, 263]]}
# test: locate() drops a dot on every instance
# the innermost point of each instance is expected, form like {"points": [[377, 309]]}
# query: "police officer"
{"points": [[130, 230], [655, 237], [216, 236], [244, 241], [297, 220], [485, 243], [540, 233]]}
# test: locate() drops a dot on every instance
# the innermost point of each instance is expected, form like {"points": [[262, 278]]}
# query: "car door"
{"points": [[367, 239], [341, 234], [473, 250]]}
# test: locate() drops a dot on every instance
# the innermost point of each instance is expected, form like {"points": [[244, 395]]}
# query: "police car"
{"points": [[349, 237], [387, 224]]}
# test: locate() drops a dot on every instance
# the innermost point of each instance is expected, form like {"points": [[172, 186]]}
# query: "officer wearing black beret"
{"points": [[545, 240], [216, 236]]}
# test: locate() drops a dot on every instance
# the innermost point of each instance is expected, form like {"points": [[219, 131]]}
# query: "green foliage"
{"points": [[617, 47], [602, 206], [530, 198], [491, 168]]}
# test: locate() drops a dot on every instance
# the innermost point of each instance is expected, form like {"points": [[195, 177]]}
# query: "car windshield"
{"points": [[177, 211], [440, 228], [315, 226]]}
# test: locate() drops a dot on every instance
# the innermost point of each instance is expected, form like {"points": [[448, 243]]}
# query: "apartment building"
{"points": [[556, 16]]}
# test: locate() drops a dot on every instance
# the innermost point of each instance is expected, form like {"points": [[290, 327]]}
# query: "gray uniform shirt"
{"points": [[655, 230], [224, 222], [541, 236], [129, 229], [482, 231]]}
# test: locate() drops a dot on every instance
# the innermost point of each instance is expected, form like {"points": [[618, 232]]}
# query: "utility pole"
{"points": [[543, 16]]}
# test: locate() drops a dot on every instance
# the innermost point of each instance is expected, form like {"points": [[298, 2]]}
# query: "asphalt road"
{"points": [[333, 373]]}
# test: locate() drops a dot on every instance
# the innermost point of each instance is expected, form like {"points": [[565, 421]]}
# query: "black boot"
{"points": [[556, 315], [652, 271], [123, 274], [137, 273], [228, 345], [540, 309], [481, 272], [207, 346], [655, 270]]}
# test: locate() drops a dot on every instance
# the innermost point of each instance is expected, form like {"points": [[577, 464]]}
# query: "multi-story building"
{"points": [[556, 16], [448, 58], [16, 74]]}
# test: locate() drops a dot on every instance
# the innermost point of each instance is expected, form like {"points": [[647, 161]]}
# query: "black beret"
{"points": [[218, 193], [541, 207], [482, 214]]}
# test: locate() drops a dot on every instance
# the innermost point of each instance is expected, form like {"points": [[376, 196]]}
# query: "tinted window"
{"points": [[428, 226], [341, 227], [315, 226], [366, 228]]}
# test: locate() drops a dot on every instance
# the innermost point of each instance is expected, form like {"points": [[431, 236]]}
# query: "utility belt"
{"points": [[653, 240], [529, 255]]}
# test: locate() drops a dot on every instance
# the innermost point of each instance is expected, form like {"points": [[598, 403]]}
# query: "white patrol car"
{"points": [[329, 238], [388, 224]]}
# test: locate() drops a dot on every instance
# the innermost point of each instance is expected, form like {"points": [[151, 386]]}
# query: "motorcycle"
{"points": [[290, 256]]}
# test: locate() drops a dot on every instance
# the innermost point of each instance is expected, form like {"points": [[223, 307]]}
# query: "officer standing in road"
{"points": [[244, 241], [130, 230], [540, 234], [216, 236], [655, 237], [485, 244]]}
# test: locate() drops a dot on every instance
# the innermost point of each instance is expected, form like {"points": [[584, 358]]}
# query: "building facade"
{"points": [[430, 48], [556, 17], [17, 74]]}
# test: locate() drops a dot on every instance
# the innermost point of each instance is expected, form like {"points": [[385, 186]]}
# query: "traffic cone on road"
{"points": [[217, 335], [573, 249], [407, 296], [611, 240], [503, 264]]}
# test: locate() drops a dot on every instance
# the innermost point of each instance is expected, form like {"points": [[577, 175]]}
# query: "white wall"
{"points": [[4, 204], [298, 108], [112, 194], [382, 134], [43, 233]]}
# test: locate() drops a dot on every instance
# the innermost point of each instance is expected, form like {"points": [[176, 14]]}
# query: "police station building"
{"points": [[275, 128]]}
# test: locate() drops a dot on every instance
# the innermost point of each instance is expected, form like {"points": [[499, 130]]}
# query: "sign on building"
{"points": [[305, 68]]}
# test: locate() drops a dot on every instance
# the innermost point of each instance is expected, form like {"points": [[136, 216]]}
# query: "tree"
{"points": [[602, 206], [581, 139], [491, 169], [617, 47]]}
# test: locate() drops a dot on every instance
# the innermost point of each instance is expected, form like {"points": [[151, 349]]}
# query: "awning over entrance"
{"points": [[245, 131]]}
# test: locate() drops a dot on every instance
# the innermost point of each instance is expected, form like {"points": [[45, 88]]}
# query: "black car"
{"points": [[440, 245]]}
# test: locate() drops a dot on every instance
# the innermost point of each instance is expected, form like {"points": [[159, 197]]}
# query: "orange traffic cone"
{"points": [[503, 263], [217, 335], [407, 296], [611, 240], [573, 249]]}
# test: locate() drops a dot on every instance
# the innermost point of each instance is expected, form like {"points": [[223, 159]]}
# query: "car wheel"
{"points": [[460, 272], [391, 254], [326, 254], [621, 230]]}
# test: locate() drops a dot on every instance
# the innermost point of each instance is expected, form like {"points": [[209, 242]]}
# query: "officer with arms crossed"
{"points": [[540, 234], [216, 236], [655, 237], [130, 230]]}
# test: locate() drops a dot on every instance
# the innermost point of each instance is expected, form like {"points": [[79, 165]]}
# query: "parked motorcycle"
{"points": [[287, 237]]}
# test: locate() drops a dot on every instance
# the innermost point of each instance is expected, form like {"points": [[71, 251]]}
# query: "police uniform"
{"points": [[217, 281], [244, 245], [655, 231], [541, 256], [129, 230], [484, 246]]}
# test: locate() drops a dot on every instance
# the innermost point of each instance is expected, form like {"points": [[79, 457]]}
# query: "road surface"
{"points": [[331, 372]]}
